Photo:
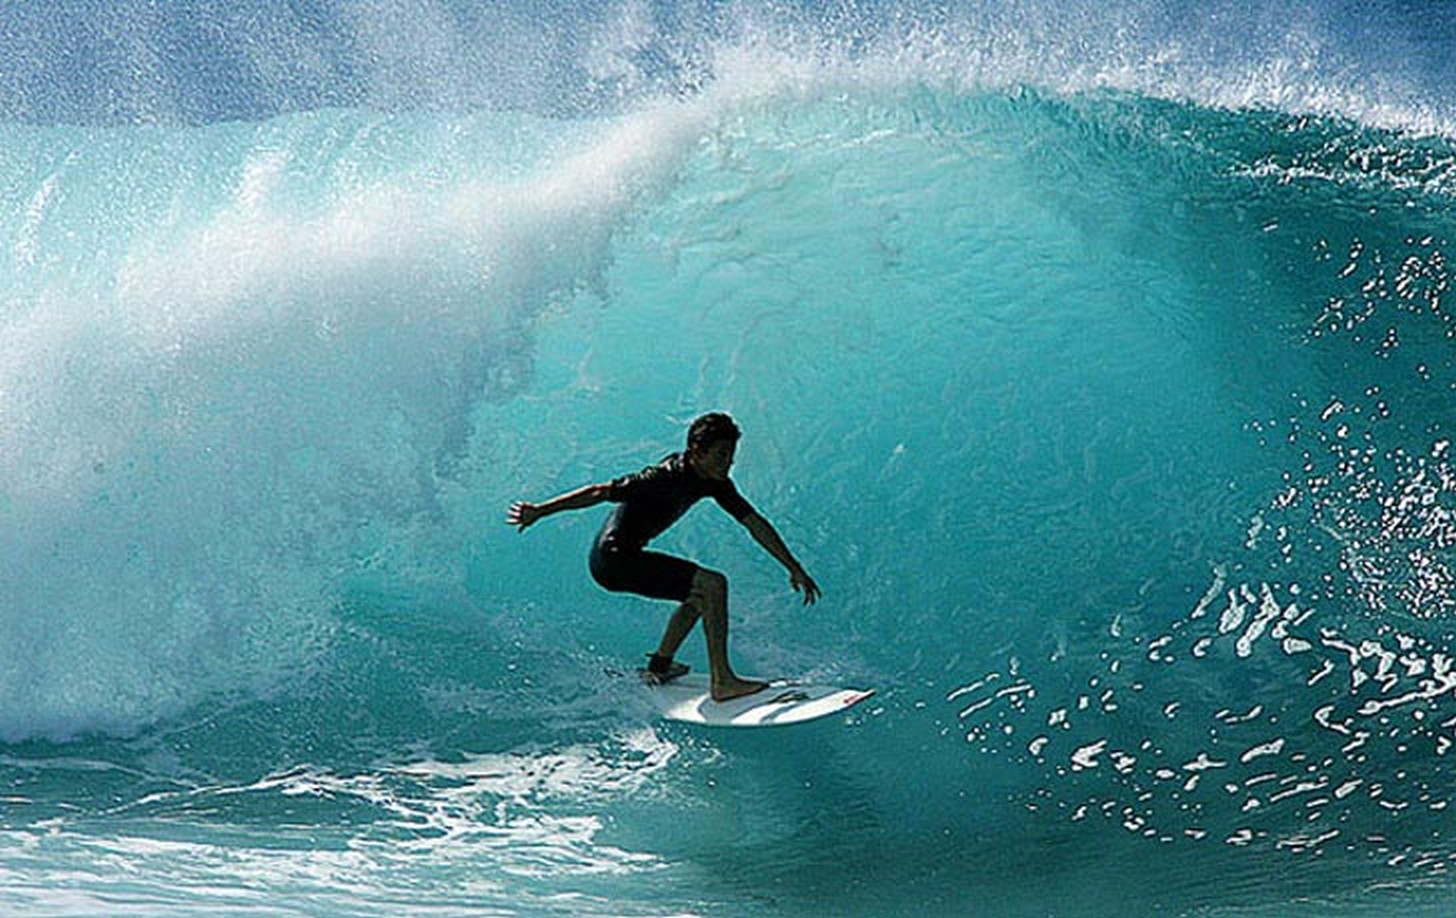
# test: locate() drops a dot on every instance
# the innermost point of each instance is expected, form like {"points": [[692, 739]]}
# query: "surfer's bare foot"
{"points": [[736, 688]]}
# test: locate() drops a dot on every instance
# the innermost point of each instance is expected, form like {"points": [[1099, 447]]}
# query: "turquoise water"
{"points": [[1098, 365]]}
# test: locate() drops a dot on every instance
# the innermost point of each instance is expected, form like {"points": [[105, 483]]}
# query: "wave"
{"points": [[266, 395], [1095, 362]]}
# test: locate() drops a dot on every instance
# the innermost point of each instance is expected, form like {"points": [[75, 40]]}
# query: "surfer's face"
{"points": [[714, 460]]}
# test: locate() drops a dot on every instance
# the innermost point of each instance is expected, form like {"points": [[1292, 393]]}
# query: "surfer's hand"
{"points": [[523, 514], [800, 580]]}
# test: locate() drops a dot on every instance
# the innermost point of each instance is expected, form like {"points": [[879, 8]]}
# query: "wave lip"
{"points": [[1384, 64]]}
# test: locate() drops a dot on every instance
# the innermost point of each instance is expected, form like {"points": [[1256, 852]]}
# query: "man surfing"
{"points": [[650, 501]]}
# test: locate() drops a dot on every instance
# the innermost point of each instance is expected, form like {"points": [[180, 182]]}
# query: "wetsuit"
{"points": [[647, 503]]}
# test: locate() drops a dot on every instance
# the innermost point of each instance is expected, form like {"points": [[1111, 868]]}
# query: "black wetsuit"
{"points": [[649, 502]]}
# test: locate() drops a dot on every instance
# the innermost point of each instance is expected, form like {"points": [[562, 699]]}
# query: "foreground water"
{"points": [[1107, 397]]}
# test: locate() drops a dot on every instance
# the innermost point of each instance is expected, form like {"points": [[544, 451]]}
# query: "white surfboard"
{"points": [[688, 699]]}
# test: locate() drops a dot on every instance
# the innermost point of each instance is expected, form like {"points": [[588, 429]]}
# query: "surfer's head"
{"points": [[712, 441]]}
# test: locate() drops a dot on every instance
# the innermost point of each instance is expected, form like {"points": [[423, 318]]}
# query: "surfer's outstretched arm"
{"points": [[764, 534], [524, 513]]}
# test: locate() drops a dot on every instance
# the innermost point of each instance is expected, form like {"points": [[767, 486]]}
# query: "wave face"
{"points": [[1096, 361]]}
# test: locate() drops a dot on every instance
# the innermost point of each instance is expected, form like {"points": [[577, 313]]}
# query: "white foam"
{"points": [[194, 444]]}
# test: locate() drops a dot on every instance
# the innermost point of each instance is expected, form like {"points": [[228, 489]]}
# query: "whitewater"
{"points": [[1096, 359]]}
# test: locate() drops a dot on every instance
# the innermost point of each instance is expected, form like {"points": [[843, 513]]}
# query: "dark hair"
{"points": [[710, 428]]}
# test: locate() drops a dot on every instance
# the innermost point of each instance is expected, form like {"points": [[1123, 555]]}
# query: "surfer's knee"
{"points": [[710, 588]]}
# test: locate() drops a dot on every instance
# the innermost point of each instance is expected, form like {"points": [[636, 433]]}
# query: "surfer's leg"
{"points": [[658, 576], [678, 626], [661, 667], [710, 596]]}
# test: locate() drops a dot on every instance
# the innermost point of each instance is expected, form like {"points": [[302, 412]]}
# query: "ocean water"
{"points": [[1098, 360]]}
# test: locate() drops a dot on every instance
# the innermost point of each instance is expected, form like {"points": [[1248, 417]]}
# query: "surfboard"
{"points": [[785, 701]]}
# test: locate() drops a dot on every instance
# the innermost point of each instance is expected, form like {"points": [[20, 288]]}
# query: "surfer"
{"points": [[650, 501]]}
